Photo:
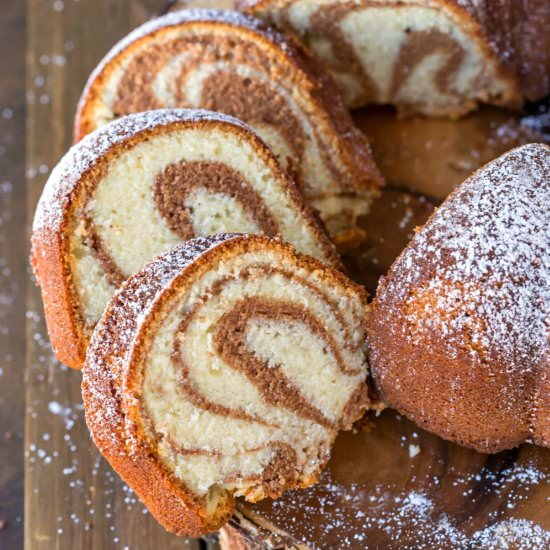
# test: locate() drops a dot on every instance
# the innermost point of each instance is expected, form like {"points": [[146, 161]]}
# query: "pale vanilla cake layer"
{"points": [[225, 368], [420, 56], [228, 62]]}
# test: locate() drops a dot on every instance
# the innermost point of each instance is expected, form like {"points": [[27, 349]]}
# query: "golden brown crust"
{"points": [[352, 146], [84, 163], [120, 342], [53, 274]]}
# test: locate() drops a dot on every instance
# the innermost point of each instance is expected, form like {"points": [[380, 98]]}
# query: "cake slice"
{"points": [[225, 368], [228, 62], [137, 187], [436, 57], [459, 330]]}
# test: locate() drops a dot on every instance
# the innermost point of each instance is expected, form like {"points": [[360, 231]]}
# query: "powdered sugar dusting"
{"points": [[513, 533], [364, 502], [88, 153], [490, 244]]}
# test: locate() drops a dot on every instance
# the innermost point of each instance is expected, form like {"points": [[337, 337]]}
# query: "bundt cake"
{"points": [[459, 332], [231, 63], [140, 185], [436, 57], [225, 368]]}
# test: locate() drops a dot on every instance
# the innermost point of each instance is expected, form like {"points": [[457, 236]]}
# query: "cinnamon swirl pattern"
{"points": [[434, 58], [230, 63], [225, 368], [141, 185]]}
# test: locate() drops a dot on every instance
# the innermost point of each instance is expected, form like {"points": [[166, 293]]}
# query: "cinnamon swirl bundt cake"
{"points": [[140, 185], [225, 368], [436, 57], [229, 62], [459, 330]]}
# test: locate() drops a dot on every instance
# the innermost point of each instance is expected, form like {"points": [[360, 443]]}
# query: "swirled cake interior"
{"points": [[228, 62], [262, 362], [225, 368], [169, 188]]}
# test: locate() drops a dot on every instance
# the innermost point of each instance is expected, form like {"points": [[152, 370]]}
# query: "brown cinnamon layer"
{"points": [[418, 45], [279, 473], [277, 390], [253, 101], [177, 182], [326, 22], [196, 397], [95, 243], [317, 291]]}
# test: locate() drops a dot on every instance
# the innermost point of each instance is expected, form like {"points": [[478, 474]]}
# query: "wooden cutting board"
{"points": [[389, 484]]}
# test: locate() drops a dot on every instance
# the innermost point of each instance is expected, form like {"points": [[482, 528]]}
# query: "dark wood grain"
{"points": [[72, 498], [13, 267]]}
